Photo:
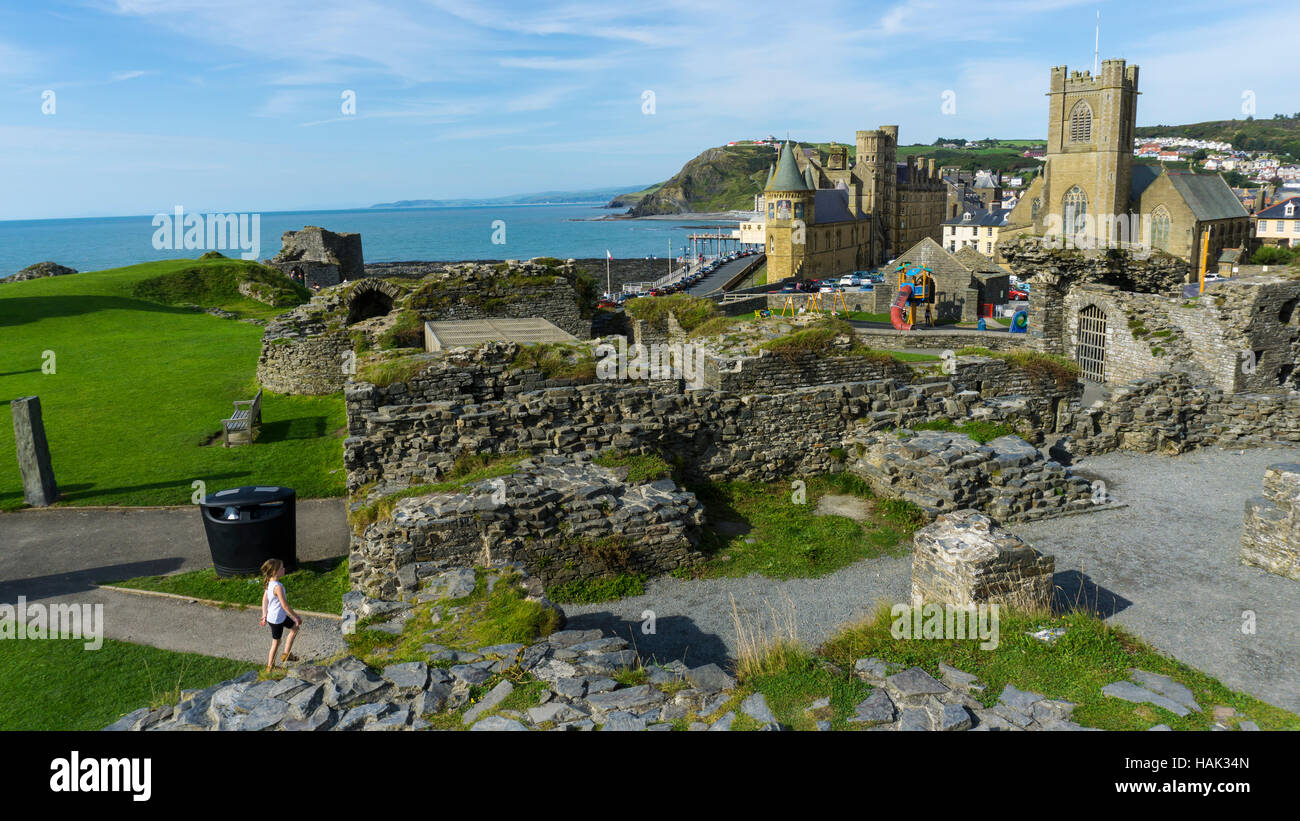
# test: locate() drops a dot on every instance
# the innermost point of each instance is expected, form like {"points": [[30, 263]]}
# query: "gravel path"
{"points": [[1166, 567]]}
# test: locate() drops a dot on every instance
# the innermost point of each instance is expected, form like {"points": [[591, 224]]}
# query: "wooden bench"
{"points": [[244, 422]]}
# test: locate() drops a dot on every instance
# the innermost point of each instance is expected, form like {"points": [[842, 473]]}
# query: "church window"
{"points": [[1075, 209], [1160, 228], [1081, 123], [1033, 208]]}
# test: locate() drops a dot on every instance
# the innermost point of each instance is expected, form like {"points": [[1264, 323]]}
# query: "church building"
{"points": [[1091, 194]]}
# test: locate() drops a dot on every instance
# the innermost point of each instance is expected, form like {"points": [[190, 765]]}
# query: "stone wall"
{"points": [[1169, 413], [942, 339], [304, 351], [561, 519], [402, 433], [774, 373], [1270, 536], [1242, 335], [942, 471]]}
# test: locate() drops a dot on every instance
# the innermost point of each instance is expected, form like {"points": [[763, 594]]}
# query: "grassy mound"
{"points": [[484, 617], [690, 312], [557, 360], [215, 282], [1064, 371], [820, 338]]}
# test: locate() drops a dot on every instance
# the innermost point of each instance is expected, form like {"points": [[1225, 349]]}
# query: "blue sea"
{"points": [[387, 235]]}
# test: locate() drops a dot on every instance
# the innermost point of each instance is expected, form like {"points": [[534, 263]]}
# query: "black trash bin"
{"points": [[248, 525]]}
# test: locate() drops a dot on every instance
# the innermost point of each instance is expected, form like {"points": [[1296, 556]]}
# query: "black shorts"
{"points": [[277, 630]]}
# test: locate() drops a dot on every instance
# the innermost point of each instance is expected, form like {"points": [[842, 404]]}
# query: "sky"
{"points": [[126, 107]]}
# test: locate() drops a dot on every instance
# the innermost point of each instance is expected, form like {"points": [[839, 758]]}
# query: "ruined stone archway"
{"points": [[371, 298]]}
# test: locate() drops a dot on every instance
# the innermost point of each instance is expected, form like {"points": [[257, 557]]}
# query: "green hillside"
{"points": [[1280, 135], [719, 179], [139, 388]]}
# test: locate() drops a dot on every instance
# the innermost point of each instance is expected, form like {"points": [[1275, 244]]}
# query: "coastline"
{"points": [[724, 216]]}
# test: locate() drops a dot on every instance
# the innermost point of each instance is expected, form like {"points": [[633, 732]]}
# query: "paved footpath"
{"points": [[57, 555]]}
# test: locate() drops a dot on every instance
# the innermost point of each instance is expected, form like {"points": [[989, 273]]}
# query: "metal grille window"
{"points": [[1081, 123], [1091, 353]]}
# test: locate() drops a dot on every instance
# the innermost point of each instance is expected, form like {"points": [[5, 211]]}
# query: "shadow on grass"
{"points": [[675, 637], [286, 430], [80, 581], [1075, 591], [19, 373], [25, 309], [724, 522]]}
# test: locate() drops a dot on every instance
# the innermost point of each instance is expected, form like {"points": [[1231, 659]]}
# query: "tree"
{"points": [[1271, 255]]}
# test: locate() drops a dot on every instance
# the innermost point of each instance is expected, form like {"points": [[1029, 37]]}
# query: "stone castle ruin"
{"points": [[1123, 318], [1169, 364], [321, 257]]}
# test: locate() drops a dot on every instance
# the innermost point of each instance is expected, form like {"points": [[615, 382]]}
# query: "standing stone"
{"points": [[965, 558], [39, 488]]}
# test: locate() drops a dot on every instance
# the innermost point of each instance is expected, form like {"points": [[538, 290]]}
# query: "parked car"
{"points": [[850, 281], [1017, 294]]}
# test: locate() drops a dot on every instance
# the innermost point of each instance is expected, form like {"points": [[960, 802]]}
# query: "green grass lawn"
{"points": [[317, 586], [789, 541], [60, 685], [138, 387]]}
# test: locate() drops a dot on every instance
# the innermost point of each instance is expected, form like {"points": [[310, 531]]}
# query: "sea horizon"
{"points": [[399, 234]]}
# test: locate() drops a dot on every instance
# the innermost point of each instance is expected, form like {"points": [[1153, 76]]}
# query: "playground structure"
{"points": [[816, 305], [915, 287]]}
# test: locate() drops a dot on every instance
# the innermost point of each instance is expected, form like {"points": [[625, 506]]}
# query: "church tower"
{"points": [[789, 201], [1089, 156]]}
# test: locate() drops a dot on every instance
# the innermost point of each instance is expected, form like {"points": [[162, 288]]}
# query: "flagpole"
{"points": [[609, 289]]}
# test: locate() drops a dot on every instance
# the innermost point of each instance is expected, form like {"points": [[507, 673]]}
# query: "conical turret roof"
{"points": [[787, 176]]}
